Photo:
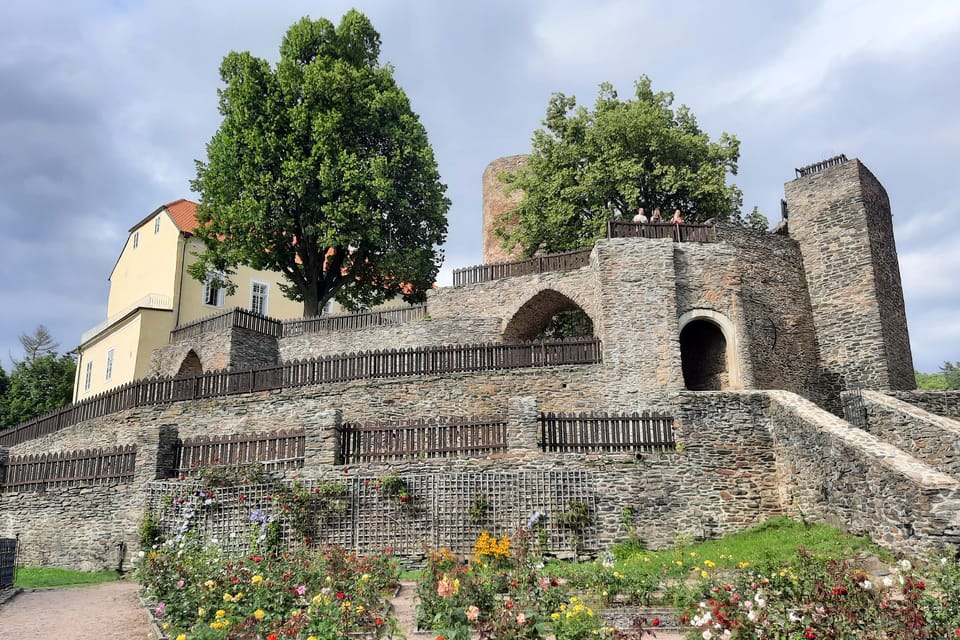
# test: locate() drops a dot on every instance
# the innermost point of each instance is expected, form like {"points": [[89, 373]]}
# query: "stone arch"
{"points": [[191, 365], [708, 351], [534, 315]]}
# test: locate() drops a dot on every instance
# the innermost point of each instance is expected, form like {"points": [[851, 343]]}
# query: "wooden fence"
{"points": [[239, 318], [581, 257], [51, 470], [583, 432], [8, 561], [352, 321], [431, 438], [339, 368], [274, 451], [661, 230], [538, 264]]}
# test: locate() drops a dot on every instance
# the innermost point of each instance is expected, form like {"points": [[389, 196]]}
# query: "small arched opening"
{"points": [[703, 353], [191, 365], [549, 315]]}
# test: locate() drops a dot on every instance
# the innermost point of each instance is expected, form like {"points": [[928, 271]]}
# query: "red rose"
{"points": [[919, 585], [809, 633], [655, 622], [272, 636]]}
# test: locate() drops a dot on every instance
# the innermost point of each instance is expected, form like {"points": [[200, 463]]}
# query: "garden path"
{"points": [[112, 611], [109, 611]]}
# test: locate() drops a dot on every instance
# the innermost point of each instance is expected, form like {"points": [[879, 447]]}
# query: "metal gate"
{"points": [[8, 561]]}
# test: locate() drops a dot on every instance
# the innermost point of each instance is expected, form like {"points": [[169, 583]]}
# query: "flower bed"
{"points": [[201, 593]]}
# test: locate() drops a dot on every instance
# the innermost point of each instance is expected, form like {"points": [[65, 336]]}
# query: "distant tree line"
{"points": [[41, 382], [948, 378]]}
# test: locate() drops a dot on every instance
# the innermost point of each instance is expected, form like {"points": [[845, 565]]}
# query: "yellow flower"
{"points": [[312, 638], [257, 579], [693, 554], [220, 614], [258, 614], [227, 597], [210, 584], [182, 637], [704, 574], [201, 612], [165, 626], [553, 616], [710, 563]]}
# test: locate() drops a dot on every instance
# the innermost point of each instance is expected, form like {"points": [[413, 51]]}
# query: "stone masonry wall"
{"points": [[830, 472], [230, 348], [942, 403], [745, 457], [886, 273], [777, 321], [419, 333], [834, 215], [925, 436]]}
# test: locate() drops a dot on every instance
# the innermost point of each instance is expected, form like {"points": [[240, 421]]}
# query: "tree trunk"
{"points": [[311, 306]]}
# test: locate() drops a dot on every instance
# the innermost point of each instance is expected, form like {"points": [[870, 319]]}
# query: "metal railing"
{"points": [[150, 301], [8, 561]]}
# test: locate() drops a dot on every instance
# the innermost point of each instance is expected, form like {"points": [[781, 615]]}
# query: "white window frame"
{"points": [[136, 239], [219, 293], [88, 376], [108, 373], [156, 226], [264, 297]]}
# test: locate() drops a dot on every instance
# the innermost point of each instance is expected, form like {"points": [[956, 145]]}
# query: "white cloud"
{"points": [[839, 33]]}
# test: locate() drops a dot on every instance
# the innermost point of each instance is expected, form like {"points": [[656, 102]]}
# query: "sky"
{"points": [[106, 104]]}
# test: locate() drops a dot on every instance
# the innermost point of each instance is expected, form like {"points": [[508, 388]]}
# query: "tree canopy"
{"points": [[587, 167], [41, 382], [321, 170]]}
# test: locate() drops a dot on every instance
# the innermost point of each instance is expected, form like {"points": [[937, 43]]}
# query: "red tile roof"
{"points": [[184, 214]]}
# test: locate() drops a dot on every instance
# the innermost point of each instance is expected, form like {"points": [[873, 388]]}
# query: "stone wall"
{"points": [[428, 331], [742, 457], [777, 321], [925, 436], [841, 219], [233, 348], [497, 203], [830, 472], [942, 403]]}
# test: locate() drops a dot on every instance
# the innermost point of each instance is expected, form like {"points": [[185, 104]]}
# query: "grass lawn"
{"points": [[43, 577]]}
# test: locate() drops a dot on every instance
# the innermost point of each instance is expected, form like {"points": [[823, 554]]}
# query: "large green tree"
{"points": [[322, 171], [41, 382], [587, 167]]}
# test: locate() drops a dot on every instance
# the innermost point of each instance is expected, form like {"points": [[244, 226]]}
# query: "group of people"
{"points": [[655, 217]]}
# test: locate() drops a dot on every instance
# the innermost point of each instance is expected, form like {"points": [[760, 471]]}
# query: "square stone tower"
{"points": [[839, 213]]}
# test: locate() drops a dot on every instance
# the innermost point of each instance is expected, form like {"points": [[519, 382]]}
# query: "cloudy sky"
{"points": [[105, 105]]}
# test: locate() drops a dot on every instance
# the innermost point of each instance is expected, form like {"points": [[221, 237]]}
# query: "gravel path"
{"points": [[112, 611], [109, 611]]}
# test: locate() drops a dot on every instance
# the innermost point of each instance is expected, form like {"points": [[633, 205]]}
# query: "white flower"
{"points": [[866, 584], [905, 565], [726, 633], [887, 581], [707, 635], [760, 601], [752, 616]]}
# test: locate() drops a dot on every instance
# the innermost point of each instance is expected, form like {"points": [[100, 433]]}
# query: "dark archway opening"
{"points": [[549, 315], [703, 352], [191, 365]]}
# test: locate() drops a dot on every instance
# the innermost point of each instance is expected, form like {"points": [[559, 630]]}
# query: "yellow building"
{"points": [[151, 293]]}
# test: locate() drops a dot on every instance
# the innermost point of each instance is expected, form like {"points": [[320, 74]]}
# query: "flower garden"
{"points": [[746, 586]]}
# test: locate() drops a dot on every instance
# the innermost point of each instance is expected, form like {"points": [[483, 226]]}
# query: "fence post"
{"points": [[4, 457], [320, 447], [522, 423]]}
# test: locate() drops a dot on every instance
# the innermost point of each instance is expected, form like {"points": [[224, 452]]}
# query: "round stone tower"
{"points": [[497, 203]]}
